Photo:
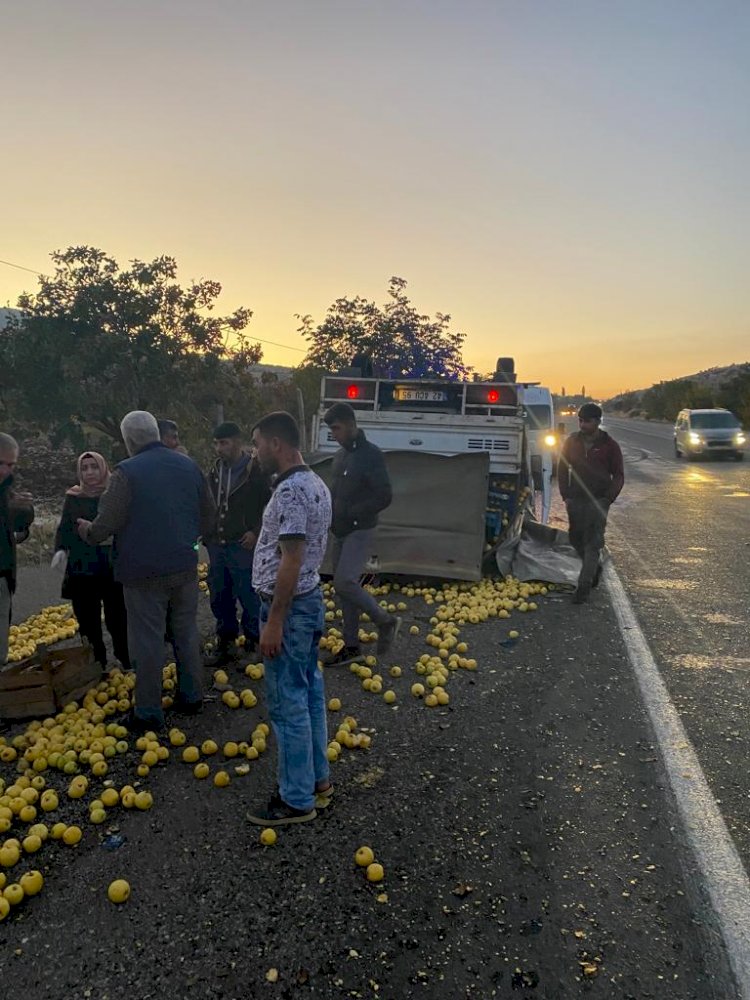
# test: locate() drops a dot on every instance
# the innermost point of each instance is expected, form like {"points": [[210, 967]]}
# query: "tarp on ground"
{"points": [[435, 524], [545, 553], [533, 551]]}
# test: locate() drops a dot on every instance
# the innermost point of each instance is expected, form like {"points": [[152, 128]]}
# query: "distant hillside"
{"points": [[727, 387]]}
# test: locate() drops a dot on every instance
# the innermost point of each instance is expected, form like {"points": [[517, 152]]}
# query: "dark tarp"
{"points": [[435, 526]]}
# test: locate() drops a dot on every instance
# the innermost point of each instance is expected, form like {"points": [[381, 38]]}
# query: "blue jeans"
{"points": [[297, 703], [230, 580]]}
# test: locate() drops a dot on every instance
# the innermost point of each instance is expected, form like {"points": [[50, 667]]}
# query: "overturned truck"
{"points": [[458, 457]]}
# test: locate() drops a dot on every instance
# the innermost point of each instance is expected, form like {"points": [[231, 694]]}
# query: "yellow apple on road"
{"points": [[13, 893], [31, 883], [375, 872], [144, 800], [72, 836], [364, 856], [118, 891]]}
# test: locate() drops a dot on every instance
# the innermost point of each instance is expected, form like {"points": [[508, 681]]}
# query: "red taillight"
{"points": [[493, 396], [352, 392]]}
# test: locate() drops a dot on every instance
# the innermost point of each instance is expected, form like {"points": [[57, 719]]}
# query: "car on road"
{"points": [[698, 433]]}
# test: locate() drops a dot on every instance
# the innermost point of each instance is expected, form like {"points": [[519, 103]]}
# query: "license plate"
{"points": [[420, 395]]}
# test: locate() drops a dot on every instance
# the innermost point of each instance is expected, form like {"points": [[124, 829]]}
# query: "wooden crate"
{"points": [[46, 681], [26, 691], [73, 671]]}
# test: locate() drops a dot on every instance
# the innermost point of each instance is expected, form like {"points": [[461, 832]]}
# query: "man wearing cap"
{"points": [[241, 491], [590, 476]]}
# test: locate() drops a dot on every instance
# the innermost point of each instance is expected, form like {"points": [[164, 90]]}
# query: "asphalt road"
{"points": [[680, 536], [527, 835], [527, 839]]}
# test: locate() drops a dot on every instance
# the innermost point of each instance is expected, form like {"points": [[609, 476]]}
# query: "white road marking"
{"points": [[666, 433], [716, 856]]}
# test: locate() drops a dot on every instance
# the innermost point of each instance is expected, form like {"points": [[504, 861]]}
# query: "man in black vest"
{"points": [[157, 505], [360, 489]]}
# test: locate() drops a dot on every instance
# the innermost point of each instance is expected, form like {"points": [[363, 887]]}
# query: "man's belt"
{"points": [[269, 597]]}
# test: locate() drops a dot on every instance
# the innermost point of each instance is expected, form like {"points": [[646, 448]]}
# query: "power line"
{"points": [[273, 342], [20, 267]]}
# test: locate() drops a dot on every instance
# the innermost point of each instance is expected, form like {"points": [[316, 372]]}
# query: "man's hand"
{"points": [[83, 528], [248, 540], [271, 636]]}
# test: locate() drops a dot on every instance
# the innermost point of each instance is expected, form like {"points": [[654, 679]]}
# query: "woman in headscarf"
{"points": [[88, 581]]}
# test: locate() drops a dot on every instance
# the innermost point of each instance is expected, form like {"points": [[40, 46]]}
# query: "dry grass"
{"points": [[39, 546]]}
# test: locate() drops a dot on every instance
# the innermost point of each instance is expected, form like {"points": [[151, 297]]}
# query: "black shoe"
{"points": [[581, 595], [251, 648], [387, 635], [278, 813], [347, 654], [225, 652], [138, 726], [182, 706]]}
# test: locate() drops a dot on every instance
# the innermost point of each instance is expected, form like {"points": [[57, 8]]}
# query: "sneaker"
{"points": [[182, 706], [387, 635], [347, 654], [278, 813], [581, 595]]}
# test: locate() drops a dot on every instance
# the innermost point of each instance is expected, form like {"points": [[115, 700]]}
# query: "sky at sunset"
{"points": [[567, 178]]}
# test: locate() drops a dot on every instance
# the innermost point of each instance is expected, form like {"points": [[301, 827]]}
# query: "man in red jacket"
{"points": [[590, 476]]}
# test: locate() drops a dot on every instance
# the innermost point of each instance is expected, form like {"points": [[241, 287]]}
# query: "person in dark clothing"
{"points": [[360, 489], [169, 434], [591, 476], [157, 506], [89, 581], [16, 516], [241, 491]]}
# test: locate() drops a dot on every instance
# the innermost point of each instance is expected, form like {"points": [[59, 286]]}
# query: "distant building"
{"points": [[6, 314]]}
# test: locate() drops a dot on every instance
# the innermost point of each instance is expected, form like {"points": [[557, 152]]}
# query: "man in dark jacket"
{"points": [[241, 492], [157, 505], [590, 476], [360, 489], [16, 515]]}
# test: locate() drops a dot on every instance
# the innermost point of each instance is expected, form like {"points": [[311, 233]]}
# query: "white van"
{"points": [[544, 444], [698, 433]]}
